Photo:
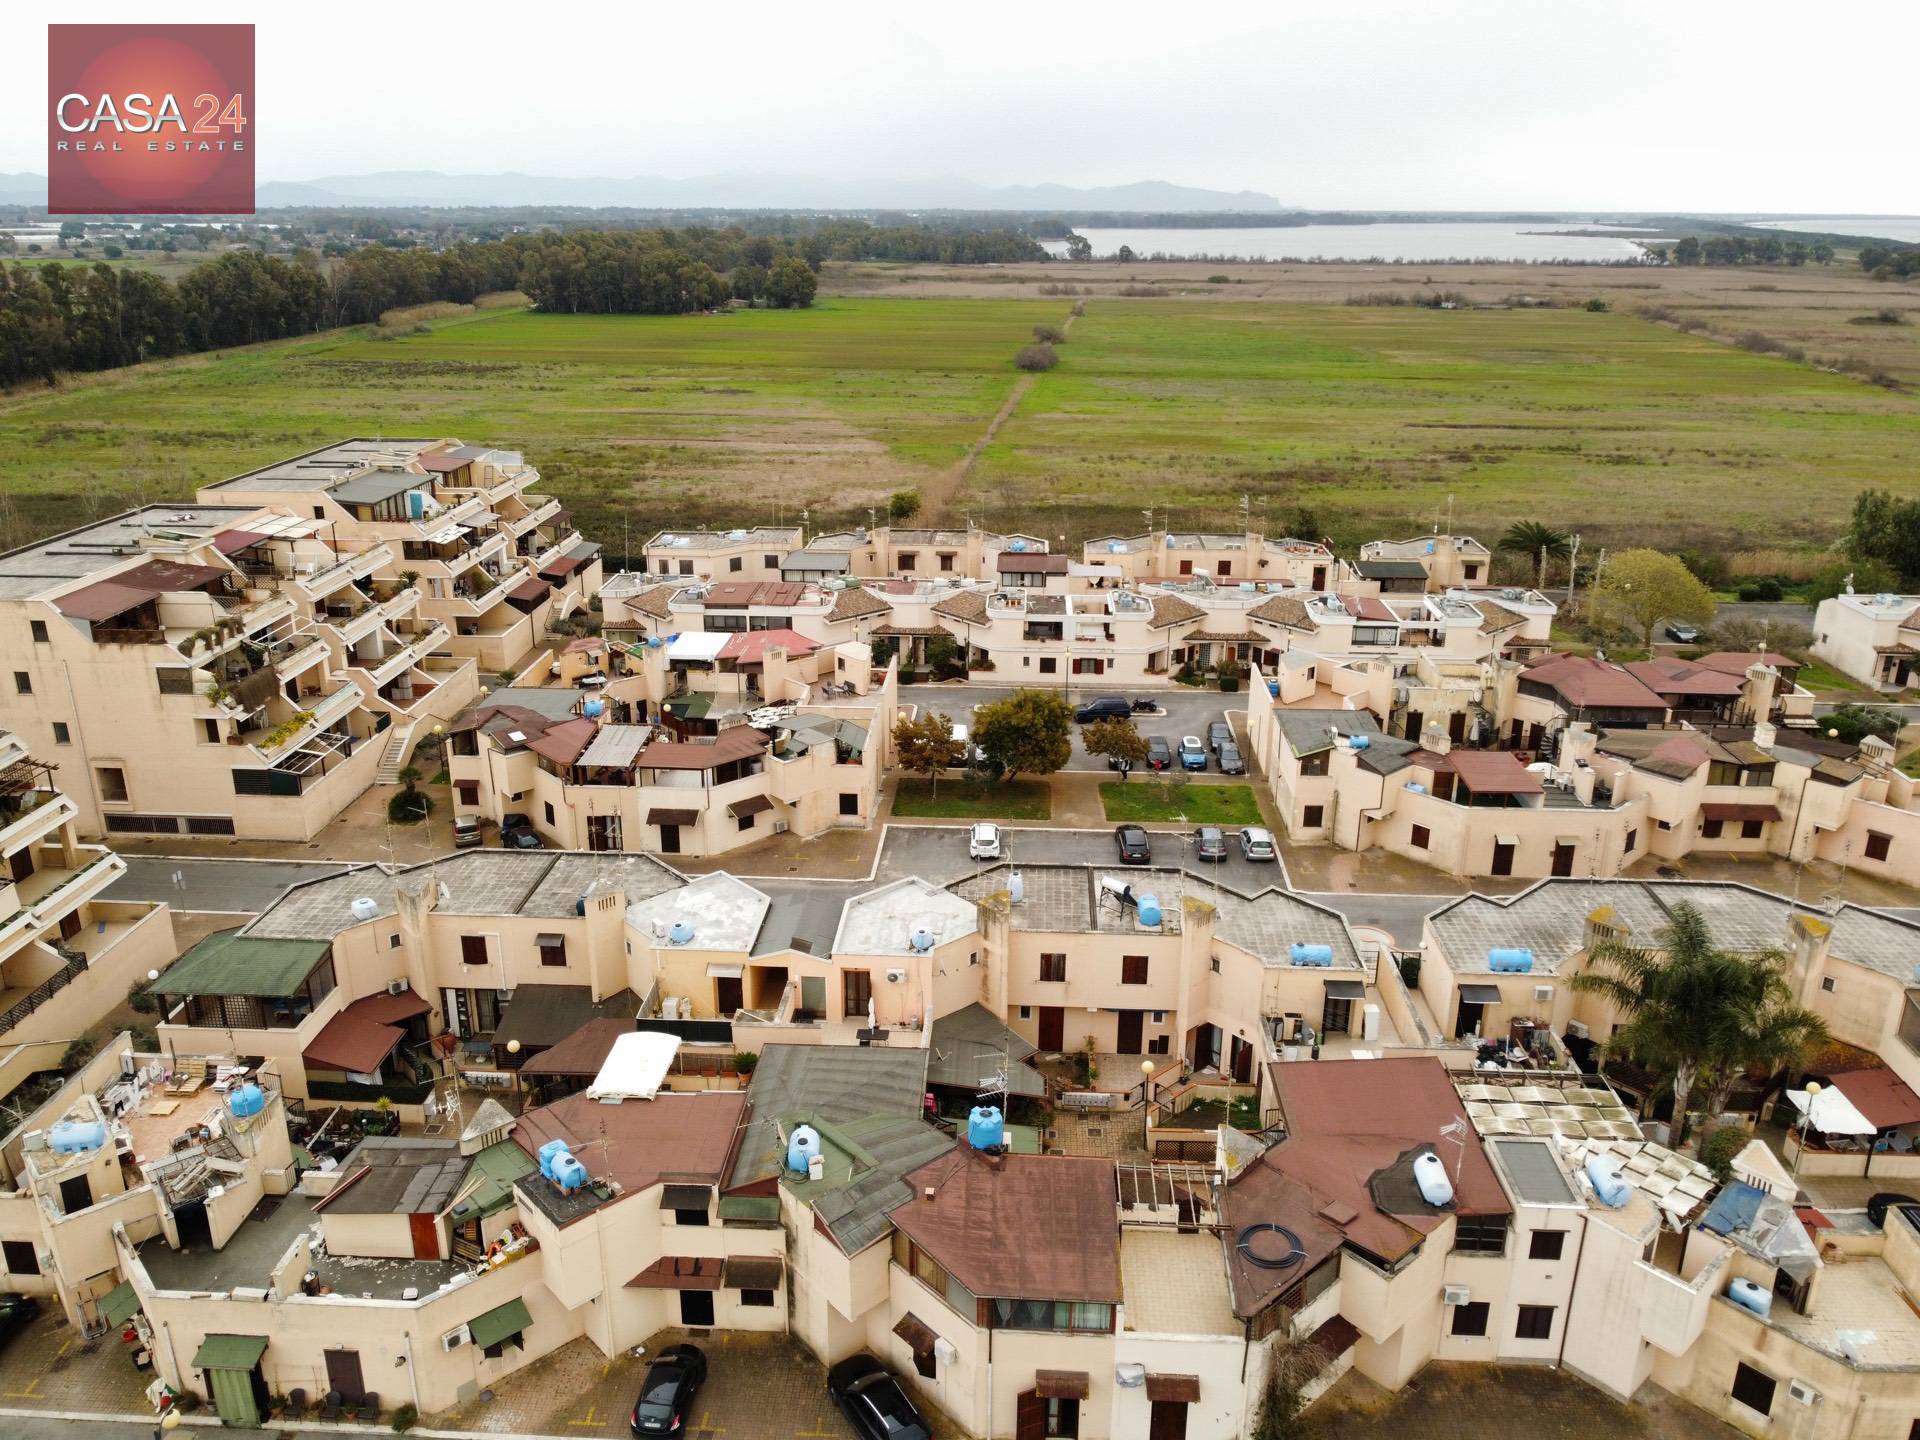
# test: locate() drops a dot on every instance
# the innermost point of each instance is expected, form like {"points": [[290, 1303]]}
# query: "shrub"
{"points": [[1049, 335], [1219, 280], [409, 807], [1037, 357], [1598, 306], [1410, 971], [141, 1000], [1767, 589], [903, 504], [1719, 1148], [744, 1061], [405, 1417]]}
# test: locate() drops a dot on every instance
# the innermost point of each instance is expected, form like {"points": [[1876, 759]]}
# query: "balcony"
{"points": [[29, 815], [407, 656], [352, 629], [280, 738], [546, 509], [47, 894]]}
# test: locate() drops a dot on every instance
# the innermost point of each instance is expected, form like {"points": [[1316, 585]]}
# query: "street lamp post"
{"points": [[1146, 1083], [1806, 1124]]}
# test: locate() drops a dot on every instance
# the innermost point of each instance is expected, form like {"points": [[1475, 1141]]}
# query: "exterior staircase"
{"points": [[399, 741]]}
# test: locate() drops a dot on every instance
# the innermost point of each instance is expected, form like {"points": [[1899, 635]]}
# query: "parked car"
{"points": [[666, 1395], [16, 1313], [1682, 633], [1219, 733], [1134, 847], [875, 1403], [1193, 755], [1159, 753], [1256, 844], [983, 842], [517, 832], [1106, 707], [466, 831], [1209, 843], [1885, 1200], [1230, 761], [968, 751]]}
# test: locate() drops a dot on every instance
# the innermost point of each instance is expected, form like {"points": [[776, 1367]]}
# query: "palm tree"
{"points": [[1702, 1014], [1539, 542]]}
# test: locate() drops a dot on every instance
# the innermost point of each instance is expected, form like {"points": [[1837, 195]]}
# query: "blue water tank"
{"points": [[1749, 1296], [1610, 1187], [986, 1128], [921, 940], [1149, 909], [1358, 742], [1414, 787], [249, 1099], [1017, 546], [1509, 961], [1429, 547], [1273, 689], [1304, 954], [594, 708], [653, 642], [681, 932], [802, 1146], [1114, 547], [568, 1173], [70, 1137], [548, 1153]]}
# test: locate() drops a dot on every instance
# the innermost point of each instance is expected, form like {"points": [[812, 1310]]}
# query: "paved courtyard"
{"points": [[51, 1366], [1183, 710]]}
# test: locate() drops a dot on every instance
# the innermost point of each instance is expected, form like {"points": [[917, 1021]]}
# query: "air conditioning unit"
{"points": [[397, 986], [1803, 1392], [1543, 993], [896, 977], [780, 827], [1456, 1295], [454, 1339], [1577, 1030]]}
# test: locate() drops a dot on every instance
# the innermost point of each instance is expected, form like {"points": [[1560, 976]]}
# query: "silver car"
{"points": [[1210, 843], [1256, 844]]}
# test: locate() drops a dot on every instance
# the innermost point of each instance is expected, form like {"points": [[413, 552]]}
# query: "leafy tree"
{"points": [[1124, 255], [1644, 587], [1870, 577], [925, 745], [1687, 252], [1885, 528], [903, 505], [1539, 542], [1822, 253], [1079, 248], [1853, 722], [1718, 1150], [1028, 733], [1702, 1015], [1116, 739], [791, 285]]}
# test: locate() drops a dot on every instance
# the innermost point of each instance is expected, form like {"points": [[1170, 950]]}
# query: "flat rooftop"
{"points": [[328, 466], [724, 914], [1862, 1315], [107, 545], [1175, 1284]]}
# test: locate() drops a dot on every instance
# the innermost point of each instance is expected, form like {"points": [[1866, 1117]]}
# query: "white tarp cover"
{"points": [[635, 1067], [1832, 1113], [698, 645]]}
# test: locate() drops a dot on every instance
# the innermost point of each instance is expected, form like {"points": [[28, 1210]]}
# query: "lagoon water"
{"points": [[1431, 242], [1881, 227]]}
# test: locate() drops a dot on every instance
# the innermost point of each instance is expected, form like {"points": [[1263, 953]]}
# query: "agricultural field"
{"points": [[1361, 420]]}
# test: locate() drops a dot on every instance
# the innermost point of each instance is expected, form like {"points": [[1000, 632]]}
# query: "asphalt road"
{"points": [[225, 886], [1184, 711]]}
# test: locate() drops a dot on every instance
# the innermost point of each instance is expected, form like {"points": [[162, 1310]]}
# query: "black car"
{"points": [[874, 1402], [1107, 707], [517, 832], [1231, 761], [666, 1396], [1219, 733], [1159, 753], [16, 1313], [1885, 1200], [1133, 845]]}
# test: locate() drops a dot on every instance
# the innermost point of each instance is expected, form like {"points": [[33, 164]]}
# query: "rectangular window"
{"points": [[1480, 1237], [1878, 845], [1633, 839], [908, 560], [686, 567], [1753, 1388], [1750, 829], [1420, 837], [1534, 1322], [1546, 1244], [1710, 829], [473, 949], [210, 825], [23, 682], [1053, 968], [1047, 665], [946, 560], [20, 1256], [733, 564], [174, 680], [760, 1298], [1313, 816], [39, 629], [1315, 764], [547, 806], [1133, 969], [744, 822], [1470, 1320], [769, 562], [111, 782], [467, 792], [553, 950], [210, 731], [849, 804], [856, 993], [1215, 960], [690, 1217], [61, 734], [1826, 983]]}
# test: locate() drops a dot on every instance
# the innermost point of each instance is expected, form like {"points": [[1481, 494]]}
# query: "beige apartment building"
{"points": [[1445, 562], [1873, 638], [1224, 559]]}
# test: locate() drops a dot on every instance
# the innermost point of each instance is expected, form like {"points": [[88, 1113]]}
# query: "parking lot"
{"points": [[1183, 711], [940, 853]]}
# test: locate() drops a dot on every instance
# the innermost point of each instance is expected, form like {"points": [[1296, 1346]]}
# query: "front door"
{"points": [[669, 839], [1502, 858], [1129, 1041], [1336, 1016], [1168, 1421], [1414, 721], [1053, 1028], [696, 1307], [1563, 859], [426, 1238], [343, 1374], [1468, 1022], [1457, 726], [858, 993], [726, 995], [75, 1195], [1242, 1066], [813, 997], [1029, 1416]]}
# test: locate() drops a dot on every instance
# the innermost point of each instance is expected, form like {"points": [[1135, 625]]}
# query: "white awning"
{"points": [[284, 527], [720, 970], [704, 645], [446, 536], [1832, 1113], [635, 1067]]}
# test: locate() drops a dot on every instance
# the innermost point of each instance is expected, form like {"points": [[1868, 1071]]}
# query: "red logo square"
{"points": [[150, 119]]}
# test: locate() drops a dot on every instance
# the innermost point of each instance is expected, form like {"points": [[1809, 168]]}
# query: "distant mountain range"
{"points": [[735, 190]]}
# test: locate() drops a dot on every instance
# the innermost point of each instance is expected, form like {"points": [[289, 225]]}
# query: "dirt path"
{"points": [[938, 494]]}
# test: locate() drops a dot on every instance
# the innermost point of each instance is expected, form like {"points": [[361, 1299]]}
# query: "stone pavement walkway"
{"points": [[1515, 1402], [51, 1366]]}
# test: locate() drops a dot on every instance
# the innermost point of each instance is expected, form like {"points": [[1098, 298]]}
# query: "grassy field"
{"points": [[1365, 419], [1172, 801], [974, 800]]}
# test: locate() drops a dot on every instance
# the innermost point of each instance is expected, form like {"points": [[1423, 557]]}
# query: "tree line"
{"points": [[1890, 262], [1742, 250]]}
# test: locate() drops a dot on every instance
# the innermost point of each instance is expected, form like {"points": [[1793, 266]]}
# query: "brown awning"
{"points": [[754, 1272], [672, 817], [679, 1272], [389, 1007], [103, 600], [1174, 1389], [529, 592], [917, 1333], [752, 805], [685, 1197], [562, 567], [1740, 812], [352, 1043], [228, 541], [1060, 1384]]}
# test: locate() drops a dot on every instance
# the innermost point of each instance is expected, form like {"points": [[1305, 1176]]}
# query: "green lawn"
{"points": [[1242, 1114], [1819, 679], [1911, 764], [974, 800], [1180, 802]]}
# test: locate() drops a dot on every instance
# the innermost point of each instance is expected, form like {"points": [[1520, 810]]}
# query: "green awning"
{"points": [[691, 707], [494, 1171], [229, 963], [232, 1352], [120, 1304], [498, 1323], [749, 1207]]}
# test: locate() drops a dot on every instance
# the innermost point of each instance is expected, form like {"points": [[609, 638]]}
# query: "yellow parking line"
{"points": [[589, 1421]]}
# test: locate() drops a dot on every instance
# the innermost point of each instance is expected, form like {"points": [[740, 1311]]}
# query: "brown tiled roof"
{"points": [[1494, 616], [1666, 675], [1738, 662], [1677, 758], [1059, 1209], [968, 605], [1493, 772], [655, 602], [1027, 562], [690, 1137], [1174, 1389], [1880, 1095], [1581, 680], [852, 603], [680, 1272], [735, 594], [353, 1043], [1172, 610], [1283, 610], [735, 744], [749, 647], [563, 743], [581, 1053], [910, 632]]}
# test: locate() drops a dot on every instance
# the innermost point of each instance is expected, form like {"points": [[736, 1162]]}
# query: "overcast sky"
{"points": [[1468, 104]]}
